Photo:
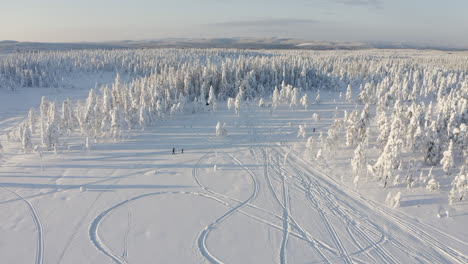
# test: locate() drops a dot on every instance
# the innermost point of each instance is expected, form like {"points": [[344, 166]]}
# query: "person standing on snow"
{"points": [[173, 151]]}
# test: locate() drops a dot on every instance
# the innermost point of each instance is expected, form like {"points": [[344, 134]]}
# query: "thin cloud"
{"points": [[272, 22], [372, 3]]}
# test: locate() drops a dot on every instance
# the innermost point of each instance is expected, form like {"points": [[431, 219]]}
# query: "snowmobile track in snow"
{"points": [[38, 225]]}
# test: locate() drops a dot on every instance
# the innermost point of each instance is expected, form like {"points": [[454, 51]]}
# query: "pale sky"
{"points": [[418, 21]]}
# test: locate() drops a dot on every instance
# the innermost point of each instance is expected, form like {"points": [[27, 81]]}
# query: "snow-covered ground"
{"points": [[248, 197]]}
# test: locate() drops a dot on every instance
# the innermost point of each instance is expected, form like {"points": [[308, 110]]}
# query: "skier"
{"points": [[173, 151], [313, 130], [182, 151]]}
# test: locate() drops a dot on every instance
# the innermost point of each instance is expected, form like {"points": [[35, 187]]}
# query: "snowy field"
{"points": [[251, 191]]}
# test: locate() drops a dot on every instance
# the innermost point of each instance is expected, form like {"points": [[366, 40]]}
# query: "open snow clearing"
{"points": [[240, 198]]}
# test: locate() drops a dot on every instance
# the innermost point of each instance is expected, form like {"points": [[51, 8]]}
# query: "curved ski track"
{"points": [[38, 225]]}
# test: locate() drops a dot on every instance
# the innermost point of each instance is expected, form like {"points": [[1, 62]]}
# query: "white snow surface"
{"points": [[134, 202]]}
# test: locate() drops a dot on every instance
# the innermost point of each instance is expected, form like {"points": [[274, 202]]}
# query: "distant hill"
{"points": [[10, 46]]}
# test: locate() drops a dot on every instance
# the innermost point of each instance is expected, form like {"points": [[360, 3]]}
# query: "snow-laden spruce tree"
{"points": [[383, 127], [68, 118], [393, 201], [317, 97], [315, 117], [32, 120], [87, 119], [294, 98], [459, 187], [230, 103], [221, 129], [144, 117], [116, 123], [261, 103], [387, 162], [276, 98], [305, 101], [52, 132], [432, 145], [349, 94], [26, 139], [301, 132], [447, 159], [212, 99], [319, 156], [309, 148], [358, 161], [238, 100], [44, 110]]}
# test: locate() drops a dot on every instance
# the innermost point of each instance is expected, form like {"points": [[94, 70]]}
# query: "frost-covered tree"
{"points": [[144, 117], [432, 185], [358, 159], [305, 101], [212, 99], [319, 156], [393, 201], [459, 187], [221, 129], [32, 120], [68, 118], [26, 139], [238, 101], [44, 110], [387, 162], [317, 97], [432, 145], [349, 94], [447, 159], [116, 123], [301, 132], [315, 117], [261, 103], [294, 98], [276, 98], [230, 103]]}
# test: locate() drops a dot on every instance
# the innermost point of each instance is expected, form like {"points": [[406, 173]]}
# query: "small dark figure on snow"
{"points": [[313, 130], [182, 151], [173, 151]]}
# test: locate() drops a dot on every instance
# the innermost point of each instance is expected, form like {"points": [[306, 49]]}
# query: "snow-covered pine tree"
{"points": [[349, 94], [315, 117], [238, 100], [447, 159], [319, 156], [305, 101], [459, 187], [26, 139], [276, 98], [432, 145], [44, 109], [52, 131], [317, 97], [32, 120], [230, 103], [116, 123], [294, 98], [261, 103], [212, 99], [219, 129], [357, 161], [309, 148], [302, 131]]}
